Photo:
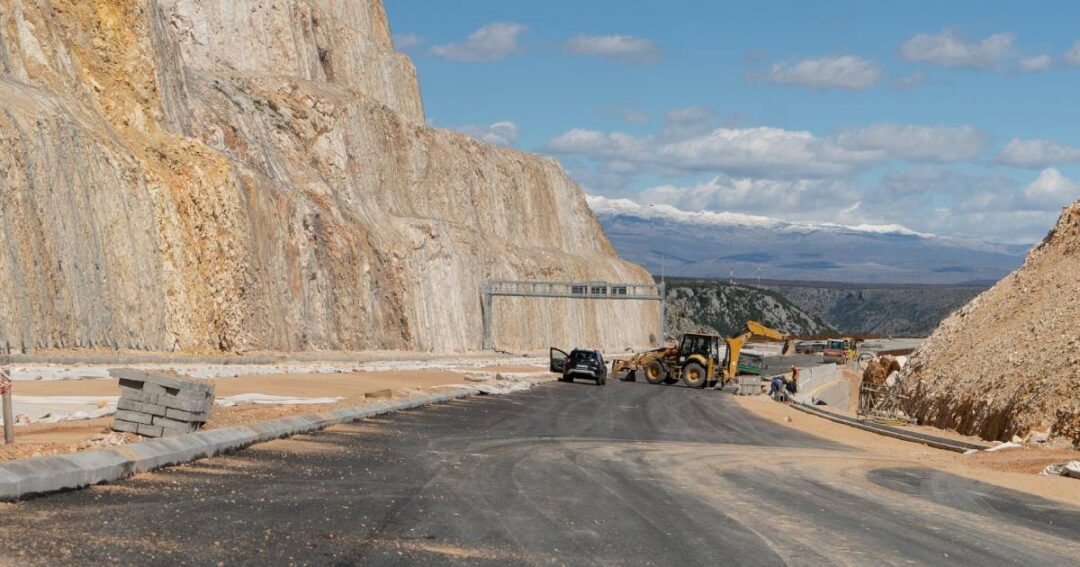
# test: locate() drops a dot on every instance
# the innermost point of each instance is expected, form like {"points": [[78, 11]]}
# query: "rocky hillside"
{"points": [[887, 310], [203, 175], [723, 308], [1008, 363]]}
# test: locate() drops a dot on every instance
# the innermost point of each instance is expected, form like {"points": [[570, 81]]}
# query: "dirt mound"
{"points": [[878, 369], [1008, 363]]}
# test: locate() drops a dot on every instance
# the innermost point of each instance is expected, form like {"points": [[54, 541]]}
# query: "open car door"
{"points": [[558, 360]]}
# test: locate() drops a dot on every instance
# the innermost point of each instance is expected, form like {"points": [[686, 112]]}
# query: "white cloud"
{"points": [[947, 49], [909, 82], [629, 113], [493, 42], [689, 143], [1037, 153], [1036, 63], [847, 72], [1072, 56], [1052, 188], [404, 41], [801, 197], [764, 152], [500, 133], [916, 143], [624, 48], [945, 201], [596, 144], [688, 122]]}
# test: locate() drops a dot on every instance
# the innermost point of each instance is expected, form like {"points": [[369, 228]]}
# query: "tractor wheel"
{"points": [[655, 372], [694, 375]]}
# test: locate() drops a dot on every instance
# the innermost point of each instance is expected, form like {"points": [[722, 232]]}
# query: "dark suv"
{"points": [[580, 363]]}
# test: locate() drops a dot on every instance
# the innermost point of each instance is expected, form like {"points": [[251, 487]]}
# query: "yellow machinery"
{"points": [[842, 350], [696, 359]]}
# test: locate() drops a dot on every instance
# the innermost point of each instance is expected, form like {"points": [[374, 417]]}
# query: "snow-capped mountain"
{"points": [[722, 245]]}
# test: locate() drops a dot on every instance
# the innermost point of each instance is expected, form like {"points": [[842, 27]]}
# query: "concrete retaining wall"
{"points": [[823, 384]]}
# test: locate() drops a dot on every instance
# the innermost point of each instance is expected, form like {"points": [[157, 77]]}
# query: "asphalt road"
{"points": [[626, 474]]}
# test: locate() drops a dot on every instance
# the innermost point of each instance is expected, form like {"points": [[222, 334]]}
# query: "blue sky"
{"points": [[955, 118]]}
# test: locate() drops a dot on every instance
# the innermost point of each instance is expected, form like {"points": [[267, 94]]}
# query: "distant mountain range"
{"points": [[732, 245]]}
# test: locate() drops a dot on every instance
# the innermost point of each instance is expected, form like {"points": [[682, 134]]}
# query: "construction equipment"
{"points": [[841, 350], [696, 360]]}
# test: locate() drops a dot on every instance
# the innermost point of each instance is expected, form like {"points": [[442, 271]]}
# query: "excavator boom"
{"points": [[735, 345]]}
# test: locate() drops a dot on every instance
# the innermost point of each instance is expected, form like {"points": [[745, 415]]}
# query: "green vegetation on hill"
{"points": [[711, 306], [813, 307]]}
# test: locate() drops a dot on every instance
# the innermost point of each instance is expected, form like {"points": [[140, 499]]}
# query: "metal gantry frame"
{"points": [[569, 290]]}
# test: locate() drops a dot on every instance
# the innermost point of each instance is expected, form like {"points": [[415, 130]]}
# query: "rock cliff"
{"points": [[203, 175], [1008, 363]]}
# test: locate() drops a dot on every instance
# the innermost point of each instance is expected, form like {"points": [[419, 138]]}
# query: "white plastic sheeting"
{"points": [[54, 409], [264, 399], [1070, 469]]}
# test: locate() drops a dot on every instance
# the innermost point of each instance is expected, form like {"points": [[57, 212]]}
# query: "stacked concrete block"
{"points": [[158, 404], [749, 385]]}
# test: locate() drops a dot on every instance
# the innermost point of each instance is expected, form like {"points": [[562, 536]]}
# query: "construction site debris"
{"points": [[1004, 446], [1070, 469], [154, 404]]}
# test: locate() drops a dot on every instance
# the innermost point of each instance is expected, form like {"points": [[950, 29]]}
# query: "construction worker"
{"points": [[782, 385]]}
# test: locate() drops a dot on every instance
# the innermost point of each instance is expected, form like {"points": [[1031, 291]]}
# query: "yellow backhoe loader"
{"points": [[696, 360]]}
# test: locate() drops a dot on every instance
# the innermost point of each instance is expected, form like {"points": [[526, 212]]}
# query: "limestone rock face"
{"points": [[202, 175], [1008, 363]]}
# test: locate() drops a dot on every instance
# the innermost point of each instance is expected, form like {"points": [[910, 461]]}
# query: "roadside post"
{"points": [[9, 417]]}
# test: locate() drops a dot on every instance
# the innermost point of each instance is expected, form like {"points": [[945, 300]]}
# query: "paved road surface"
{"points": [[627, 474]]}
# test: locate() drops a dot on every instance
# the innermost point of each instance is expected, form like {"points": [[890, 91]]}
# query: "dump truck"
{"points": [[696, 359]]}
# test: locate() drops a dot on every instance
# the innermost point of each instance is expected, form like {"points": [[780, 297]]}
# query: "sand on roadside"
{"points": [[1016, 469], [354, 387]]}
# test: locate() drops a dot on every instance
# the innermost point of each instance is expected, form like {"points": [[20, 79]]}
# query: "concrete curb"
{"points": [[41, 475], [910, 436], [119, 358]]}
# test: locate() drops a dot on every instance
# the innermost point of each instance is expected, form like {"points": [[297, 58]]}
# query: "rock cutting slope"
{"points": [[199, 175], [1008, 363]]}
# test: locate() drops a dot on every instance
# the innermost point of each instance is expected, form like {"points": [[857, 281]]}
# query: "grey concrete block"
{"points": [[154, 389], [183, 404], [141, 407], [136, 394], [167, 423], [201, 404], [179, 383], [128, 426], [134, 417], [181, 415], [129, 375], [149, 430]]}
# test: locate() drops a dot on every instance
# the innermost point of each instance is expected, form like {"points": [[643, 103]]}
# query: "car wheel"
{"points": [[655, 372], [694, 375]]}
